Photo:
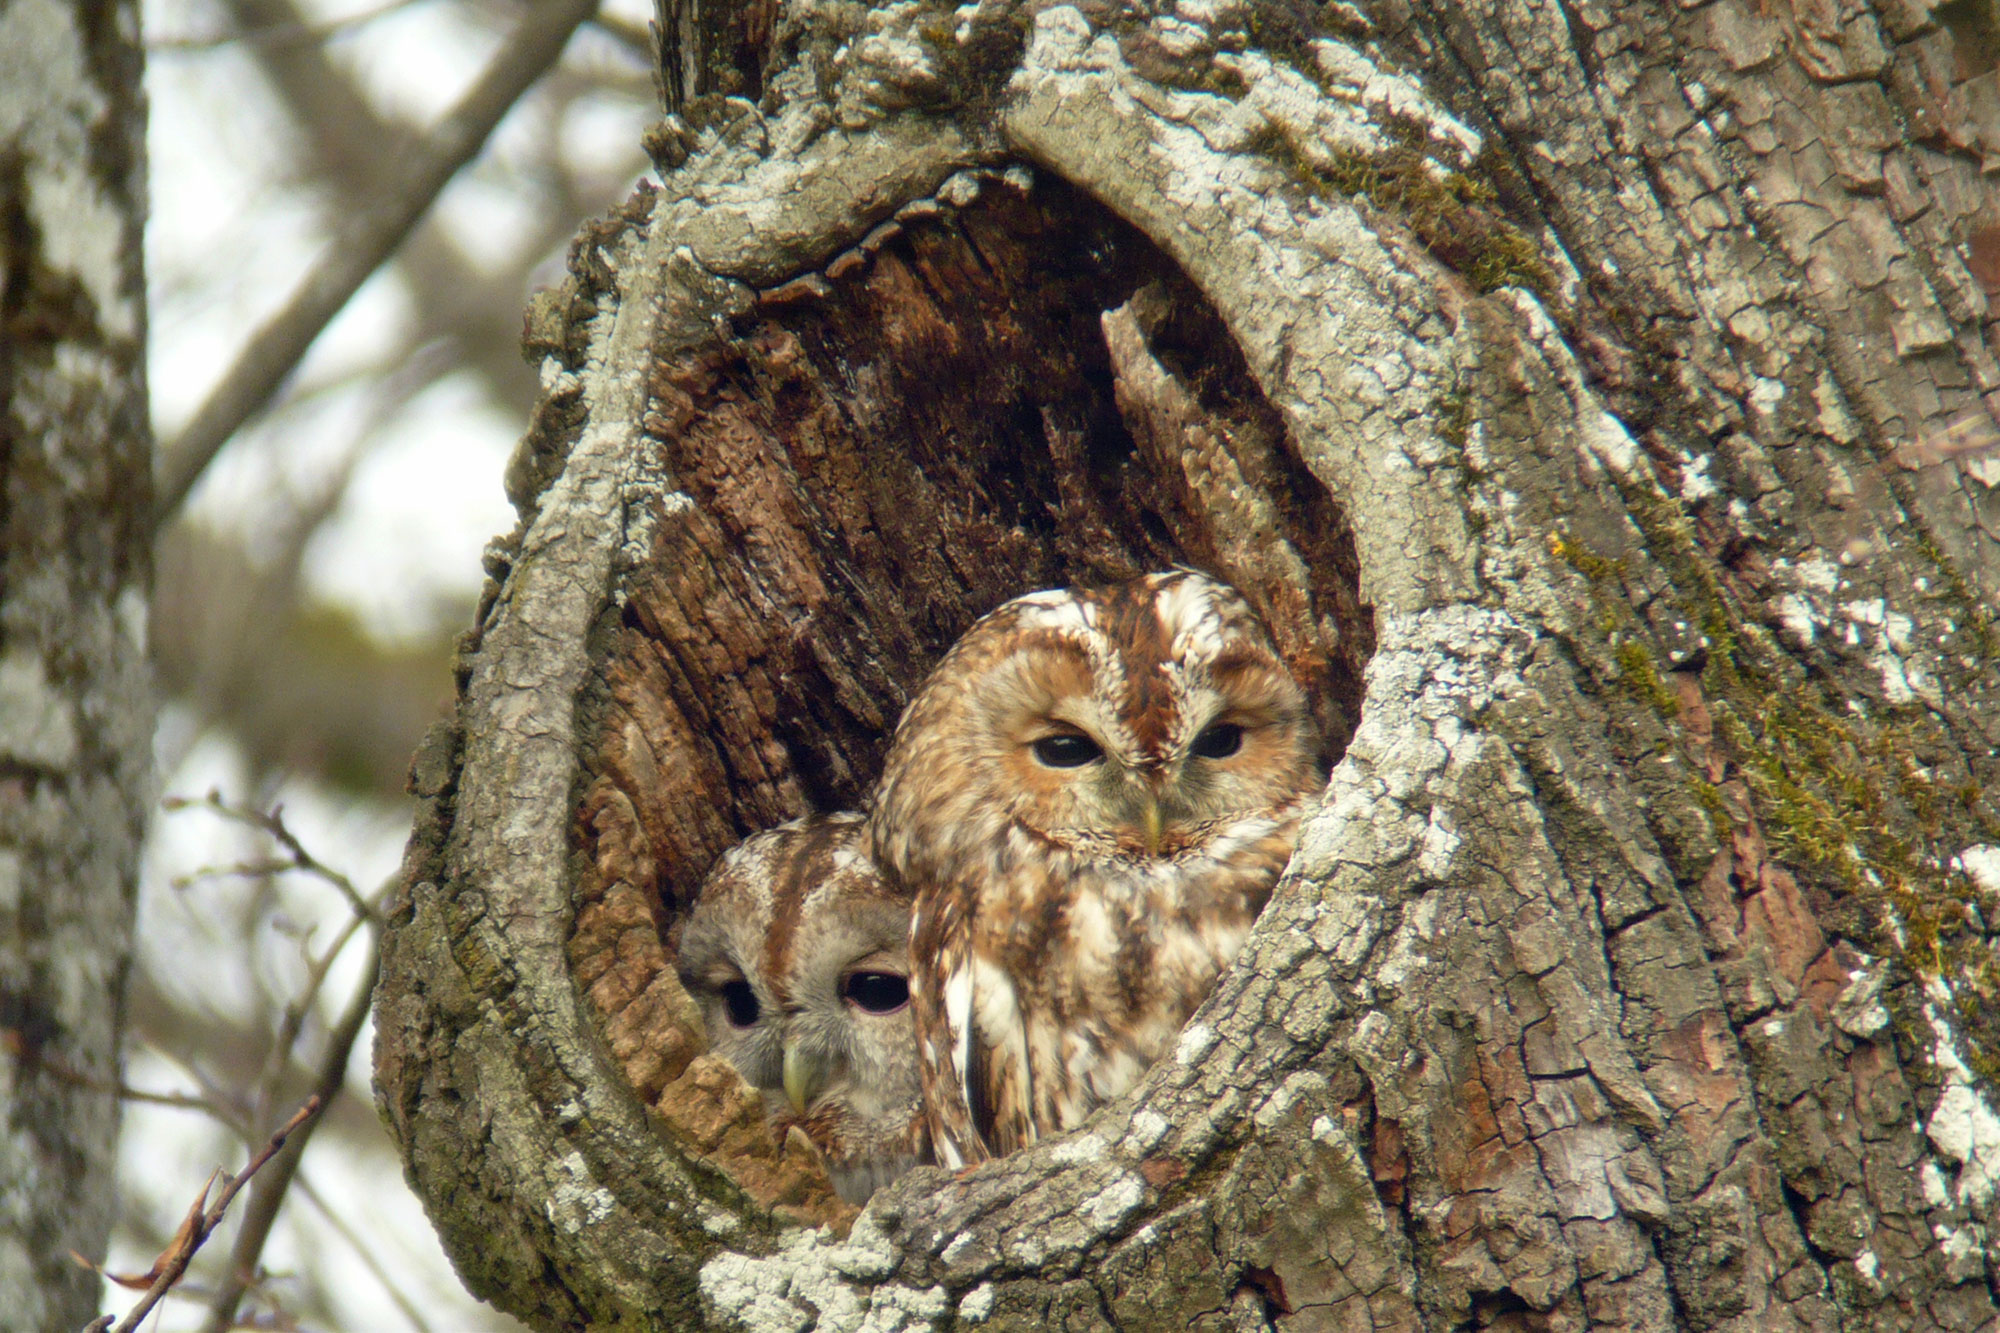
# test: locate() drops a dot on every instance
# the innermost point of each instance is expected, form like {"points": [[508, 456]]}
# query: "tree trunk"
{"points": [[1591, 399], [76, 707]]}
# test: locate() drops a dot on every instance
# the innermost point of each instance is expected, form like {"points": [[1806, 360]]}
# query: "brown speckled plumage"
{"points": [[769, 952], [1071, 914]]}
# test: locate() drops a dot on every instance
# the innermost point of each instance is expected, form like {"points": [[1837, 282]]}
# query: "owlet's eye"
{"points": [[876, 992], [1219, 741], [740, 1003], [1067, 749]]}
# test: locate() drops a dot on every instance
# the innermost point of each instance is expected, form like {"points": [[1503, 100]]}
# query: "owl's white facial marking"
{"points": [[1193, 611]]}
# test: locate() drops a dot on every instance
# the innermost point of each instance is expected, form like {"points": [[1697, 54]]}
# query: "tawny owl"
{"points": [[797, 953], [1090, 798]]}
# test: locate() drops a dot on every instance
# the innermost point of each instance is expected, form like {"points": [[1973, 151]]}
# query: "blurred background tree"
{"points": [[324, 555], [76, 706]]}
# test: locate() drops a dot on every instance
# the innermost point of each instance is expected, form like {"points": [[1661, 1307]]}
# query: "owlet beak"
{"points": [[805, 1078]]}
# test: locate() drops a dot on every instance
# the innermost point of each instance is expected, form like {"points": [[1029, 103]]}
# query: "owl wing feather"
{"points": [[999, 1078], [940, 948], [972, 1036]]}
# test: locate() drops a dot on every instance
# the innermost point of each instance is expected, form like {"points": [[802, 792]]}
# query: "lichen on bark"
{"points": [[76, 706], [1634, 971]]}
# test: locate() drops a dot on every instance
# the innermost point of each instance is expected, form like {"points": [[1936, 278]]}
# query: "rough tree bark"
{"points": [[1600, 386], [76, 708]]}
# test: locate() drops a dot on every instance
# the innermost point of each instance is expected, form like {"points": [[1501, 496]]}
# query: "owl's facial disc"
{"points": [[1151, 802], [1091, 783], [1137, 749], [873, 989]]}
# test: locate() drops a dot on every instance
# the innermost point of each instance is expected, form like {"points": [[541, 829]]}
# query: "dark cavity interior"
{"points": [[877, 462]]}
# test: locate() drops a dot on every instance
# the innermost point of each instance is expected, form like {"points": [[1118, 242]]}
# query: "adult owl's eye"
{"points": [[1219, 741], [740, 1002], [1067, 749], [877, 992]]}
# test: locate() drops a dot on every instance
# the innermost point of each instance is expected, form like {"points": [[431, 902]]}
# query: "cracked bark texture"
{"points": [[76, 708], [1593, 398]]}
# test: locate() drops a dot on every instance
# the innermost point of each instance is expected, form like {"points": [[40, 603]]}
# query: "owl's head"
{"points": [[797, 953], [1146, 720]]}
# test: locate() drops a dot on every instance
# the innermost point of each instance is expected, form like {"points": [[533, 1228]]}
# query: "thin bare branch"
{"points": [[201, 1223], [369, 1259], [273, 825], [269, 1196], [235, 870], [373, 235], [14, 1043], [280, 34], [635, 37], [180, 1101], [348, 150], [294, 1020]]}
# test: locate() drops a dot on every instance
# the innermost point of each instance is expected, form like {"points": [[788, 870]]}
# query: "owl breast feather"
{"points": [[1111, 955]]}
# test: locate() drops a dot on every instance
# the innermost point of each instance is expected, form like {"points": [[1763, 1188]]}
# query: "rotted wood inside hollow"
{"points": [[1016, 394]]}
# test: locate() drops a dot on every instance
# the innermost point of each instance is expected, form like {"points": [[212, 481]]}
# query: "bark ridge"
{"points": [[1633, 973]]}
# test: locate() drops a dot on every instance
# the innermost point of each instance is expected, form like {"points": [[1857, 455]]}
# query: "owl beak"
{"points": [[805, 1078], [1153, 822]]}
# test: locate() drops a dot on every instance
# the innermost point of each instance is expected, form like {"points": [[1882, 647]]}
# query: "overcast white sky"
{"points": [[229, 237]]}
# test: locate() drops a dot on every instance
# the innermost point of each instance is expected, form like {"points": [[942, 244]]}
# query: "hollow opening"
{"points": [[1018, 393]]}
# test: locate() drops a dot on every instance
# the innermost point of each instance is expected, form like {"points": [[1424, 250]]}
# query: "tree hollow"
{"points": [[982, 399]]}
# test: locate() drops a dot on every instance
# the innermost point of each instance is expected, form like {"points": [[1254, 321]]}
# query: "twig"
{"points": [[275, 34], [15, 1043], [634, 37], [369, 1259], [237, 870], [231, 1111], [294, 1020], [269, 1195], [350, 152], [200, 1224], [273, 825], [275, 349], [180, 1101]]}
